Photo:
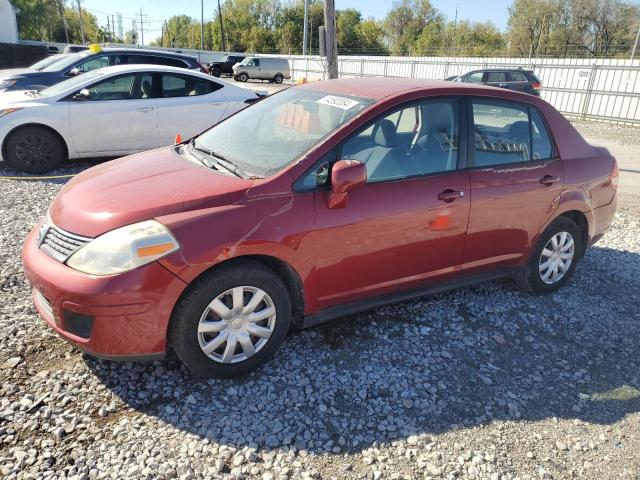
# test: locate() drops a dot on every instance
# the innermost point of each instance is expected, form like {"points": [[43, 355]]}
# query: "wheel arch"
{"points": [[580, 219], [39, 125], [282, 269]]}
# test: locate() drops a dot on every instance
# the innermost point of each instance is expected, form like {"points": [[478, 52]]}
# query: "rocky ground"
{"points": [[486, 382]]}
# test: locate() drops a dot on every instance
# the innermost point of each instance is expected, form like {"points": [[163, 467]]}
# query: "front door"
{"points": [[407, 225], [119, 115], [516, 180]]}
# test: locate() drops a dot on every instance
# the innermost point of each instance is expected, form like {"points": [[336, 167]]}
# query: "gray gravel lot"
{"points": [[486, 382]]}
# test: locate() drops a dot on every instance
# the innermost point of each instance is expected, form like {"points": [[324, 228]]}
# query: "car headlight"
{"points": [[124, 249], [7, 83], [7, 111]]}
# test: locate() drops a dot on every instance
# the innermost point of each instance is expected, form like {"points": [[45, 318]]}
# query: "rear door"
{"points": [[518, 82], [516, 179], [187, 105], [119, 116], [496, 79]]}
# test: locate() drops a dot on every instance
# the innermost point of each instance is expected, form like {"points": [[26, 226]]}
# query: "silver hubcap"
{"points": [[556, 257], [236, 324]]}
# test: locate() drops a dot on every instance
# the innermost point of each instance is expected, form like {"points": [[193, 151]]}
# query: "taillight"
{"points": [[536, 85], [614, 176]]}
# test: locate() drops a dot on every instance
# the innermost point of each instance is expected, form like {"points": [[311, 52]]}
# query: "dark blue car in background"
{"points": [[57, 68]]}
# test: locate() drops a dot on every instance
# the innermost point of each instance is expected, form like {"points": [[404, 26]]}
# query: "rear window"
{"points": [[182, 86], [517, 77], [496, 77], [509, 132]]}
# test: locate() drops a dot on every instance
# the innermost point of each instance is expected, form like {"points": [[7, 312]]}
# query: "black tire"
{"points": [[216, 72], [243, 77], [529, 277], [278, 78], [35, 150], [183, 328]]}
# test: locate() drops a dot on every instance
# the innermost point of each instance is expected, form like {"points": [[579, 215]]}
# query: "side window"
{"points": [[516, 77], [94, 63], [418, 139], [171, 62], [180, 86], [541, 144], [501, 133], [473, 78], [126, 87], [254, 62], [496, 77]]}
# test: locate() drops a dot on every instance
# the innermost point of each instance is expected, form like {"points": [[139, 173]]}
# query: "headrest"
{"points": [[384, 133]]}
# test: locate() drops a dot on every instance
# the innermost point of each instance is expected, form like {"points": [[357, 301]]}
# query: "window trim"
{"points": [[471, 154], [115, 77], [187, 78], [461, 165]]}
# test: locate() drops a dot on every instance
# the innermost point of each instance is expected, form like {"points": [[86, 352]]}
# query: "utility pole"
{"points": [[142, 22], [224, 43], [635, 44], [108, 26], [113, 27], [201, 24], [306, 21], [332, 42], [81, 22], [166, 30]]}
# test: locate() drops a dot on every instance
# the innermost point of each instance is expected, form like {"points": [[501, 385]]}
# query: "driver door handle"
{"points": [[549, 180], [144, 109], [450, 195]]}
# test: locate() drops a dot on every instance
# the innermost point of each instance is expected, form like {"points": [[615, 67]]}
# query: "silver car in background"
{"points": [[262, 68]]}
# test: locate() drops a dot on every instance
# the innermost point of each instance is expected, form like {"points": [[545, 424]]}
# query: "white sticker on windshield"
{"points": [[338, 102]]}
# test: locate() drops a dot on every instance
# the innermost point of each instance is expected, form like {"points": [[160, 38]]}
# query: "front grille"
{"points": [[59, 244]]}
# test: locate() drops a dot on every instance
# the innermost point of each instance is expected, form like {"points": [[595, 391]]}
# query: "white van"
{"points": [[262, 68]]}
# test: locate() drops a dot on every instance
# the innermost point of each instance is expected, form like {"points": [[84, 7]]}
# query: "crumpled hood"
{"points": [[139, 187]]}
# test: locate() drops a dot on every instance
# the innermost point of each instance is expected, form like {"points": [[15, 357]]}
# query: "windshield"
{"points": [[45, 62], [70, 84], [66, 62], [269, 135]]}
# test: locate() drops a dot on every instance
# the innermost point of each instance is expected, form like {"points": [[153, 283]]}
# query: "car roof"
{"points": [[378, 88], [143, 67], [141, 51]]}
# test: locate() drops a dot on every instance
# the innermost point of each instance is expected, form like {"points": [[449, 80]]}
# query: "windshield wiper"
{"points": [[218, 161]]}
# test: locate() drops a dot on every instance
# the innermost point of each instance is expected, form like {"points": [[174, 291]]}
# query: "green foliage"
{"points": [[411, 27]]}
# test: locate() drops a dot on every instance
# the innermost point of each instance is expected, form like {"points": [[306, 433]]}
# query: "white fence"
{"points": [[591, 89]]}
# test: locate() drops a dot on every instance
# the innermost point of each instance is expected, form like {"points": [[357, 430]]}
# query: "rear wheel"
{"points": [[278, 78], [216, 71], [231, 321], [34, 150], [554, 259], [243, 77]]}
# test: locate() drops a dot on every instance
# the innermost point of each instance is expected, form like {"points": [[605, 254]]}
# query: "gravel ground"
{"points": [[486, 382]]}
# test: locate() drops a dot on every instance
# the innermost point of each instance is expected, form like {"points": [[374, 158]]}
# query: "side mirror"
{"points": [[74, 72], [83, 94], [346, 176]]}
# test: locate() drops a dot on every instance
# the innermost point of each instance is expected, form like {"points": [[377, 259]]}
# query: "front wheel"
{"points": [[554, 259], [243, 77], [34, 150], [231, 321]]}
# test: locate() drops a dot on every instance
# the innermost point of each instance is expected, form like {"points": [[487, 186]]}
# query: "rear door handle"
{"points": [[549, 180], [450, 195], [144, 110], [503, 85]]}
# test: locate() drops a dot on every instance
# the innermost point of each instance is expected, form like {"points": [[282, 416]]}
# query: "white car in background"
{"points": [[110, 112]]}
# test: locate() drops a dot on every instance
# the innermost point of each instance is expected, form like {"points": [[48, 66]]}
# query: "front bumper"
{"points": [[121, 316]]}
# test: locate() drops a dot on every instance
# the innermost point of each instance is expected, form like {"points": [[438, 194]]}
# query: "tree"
{"points": [[347, 22], [371, 37], [406, 21]]}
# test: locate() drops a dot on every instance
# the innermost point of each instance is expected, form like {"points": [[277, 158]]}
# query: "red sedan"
{"points": [[317, 202]]}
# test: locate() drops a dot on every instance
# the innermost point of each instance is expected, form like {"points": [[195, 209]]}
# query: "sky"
{"points": [[158, 10]]}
